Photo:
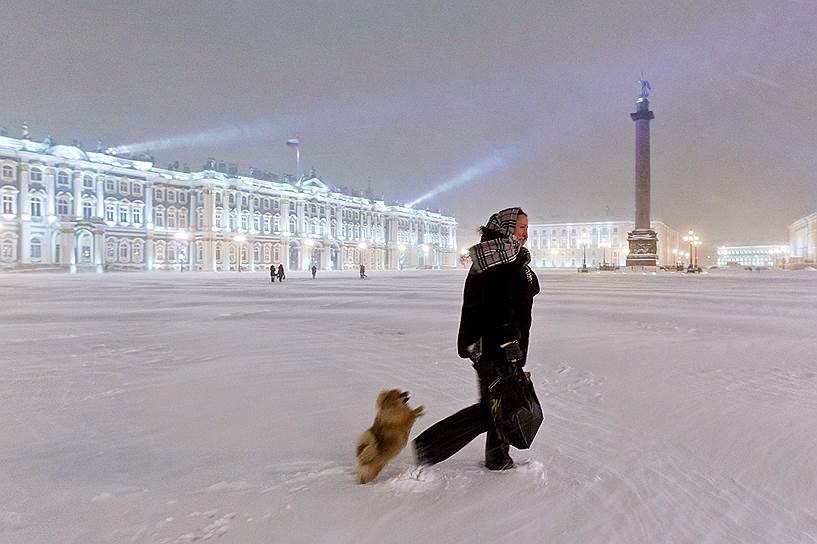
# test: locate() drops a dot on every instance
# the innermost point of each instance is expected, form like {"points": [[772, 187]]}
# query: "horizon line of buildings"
{"points": [[65, 207], [62, 206]]}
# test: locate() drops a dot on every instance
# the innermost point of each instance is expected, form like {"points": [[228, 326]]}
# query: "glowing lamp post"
{"points": [[240, 239], [310, 243], [584, 242], [693, 241], [183, 237], [402, 257]]}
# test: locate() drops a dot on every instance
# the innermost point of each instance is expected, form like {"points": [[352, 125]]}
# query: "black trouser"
{"points": [[450, 435]]}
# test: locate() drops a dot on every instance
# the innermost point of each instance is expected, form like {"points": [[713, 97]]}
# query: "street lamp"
{"points": [[310, 243], [693, 241], [240, 238], [698, 243], [184, 235], [584, 242]]}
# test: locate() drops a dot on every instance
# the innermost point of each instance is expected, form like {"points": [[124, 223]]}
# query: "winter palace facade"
{"points": [[64, 207]]}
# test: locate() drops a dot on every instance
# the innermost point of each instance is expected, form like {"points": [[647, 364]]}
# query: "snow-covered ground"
{"points": [[174, 407]]}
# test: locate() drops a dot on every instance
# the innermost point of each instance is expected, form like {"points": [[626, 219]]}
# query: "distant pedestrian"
{"points": [[314, 271], [272, 273], [281, 275], [363, 272]]}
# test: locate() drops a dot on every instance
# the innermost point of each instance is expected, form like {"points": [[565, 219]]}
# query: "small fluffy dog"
{"points": [[388, 434]]}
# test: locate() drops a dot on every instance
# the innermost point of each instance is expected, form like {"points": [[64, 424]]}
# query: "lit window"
{"points": [[36, 249], [36, 206], [8, 203], [63, 206], [7, 253]]}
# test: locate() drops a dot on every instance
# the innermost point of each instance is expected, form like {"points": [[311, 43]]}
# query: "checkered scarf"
{"points": [[500, 250]]}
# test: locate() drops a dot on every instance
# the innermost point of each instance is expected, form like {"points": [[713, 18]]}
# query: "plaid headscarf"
{"points": [[500, 250]]}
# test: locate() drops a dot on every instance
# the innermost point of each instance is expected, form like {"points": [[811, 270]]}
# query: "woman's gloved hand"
{"points": [[513, 353]]}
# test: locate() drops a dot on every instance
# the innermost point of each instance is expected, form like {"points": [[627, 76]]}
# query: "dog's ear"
{"points": [[381, 398]]}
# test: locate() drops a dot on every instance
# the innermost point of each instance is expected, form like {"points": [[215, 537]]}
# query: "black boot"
{"points": [[496, 453]]}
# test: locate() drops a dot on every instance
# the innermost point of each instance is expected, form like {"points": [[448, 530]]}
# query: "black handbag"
{"points": [[515, 408]]}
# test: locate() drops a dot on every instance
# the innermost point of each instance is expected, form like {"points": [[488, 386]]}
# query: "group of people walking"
{"points": [[277, 273]]}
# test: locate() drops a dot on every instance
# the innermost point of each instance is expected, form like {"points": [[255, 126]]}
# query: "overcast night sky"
{"points": [[528, 100]]}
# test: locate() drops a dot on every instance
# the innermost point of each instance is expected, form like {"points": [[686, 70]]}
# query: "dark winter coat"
{"points": [[497, 306]]}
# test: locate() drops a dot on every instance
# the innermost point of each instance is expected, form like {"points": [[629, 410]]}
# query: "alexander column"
{"points": [[643, 240]]}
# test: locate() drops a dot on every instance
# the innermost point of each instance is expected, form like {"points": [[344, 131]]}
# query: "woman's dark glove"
{"points": [[513, 353]]}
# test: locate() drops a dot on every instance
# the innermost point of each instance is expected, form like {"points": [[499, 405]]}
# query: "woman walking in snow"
{"points": [[494, 334]]}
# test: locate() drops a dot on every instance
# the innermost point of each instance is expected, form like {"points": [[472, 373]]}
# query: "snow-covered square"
{"points": [[178, 407]]}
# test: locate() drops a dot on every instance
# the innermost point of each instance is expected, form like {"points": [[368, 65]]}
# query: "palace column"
{"points": [[642, 240]]}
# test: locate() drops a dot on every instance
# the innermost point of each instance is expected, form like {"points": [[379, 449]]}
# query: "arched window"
{"points": [[219, 220], [36, 249], [110, 212], [123, 213], [276, 223], [159, 216], [87, 209], [36, 174], [63, 206], [7, 251], [257, 252], [171, 218], [124, 252], [136, 253], [137, 214], [232, 253], [8, 171], [256, 222], [62, 178], [87, 182], [218, 252], [171, 253], [110, 250], [245, 220], [160, 252], [182, 219], [36, 206], [293, 224]]}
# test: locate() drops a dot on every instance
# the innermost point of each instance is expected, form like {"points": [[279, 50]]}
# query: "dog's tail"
{"points": [[366, 448]]}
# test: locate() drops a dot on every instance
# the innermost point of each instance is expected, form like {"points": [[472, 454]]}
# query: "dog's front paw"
{"points": [[420, 410]]}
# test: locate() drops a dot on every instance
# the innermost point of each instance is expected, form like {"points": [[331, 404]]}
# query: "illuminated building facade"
{"points": [[564, 244], [803, 240], [64, 207], [753, 255]]}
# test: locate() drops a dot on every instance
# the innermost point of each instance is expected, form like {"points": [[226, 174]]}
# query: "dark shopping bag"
{"points": [[515, 408]]}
